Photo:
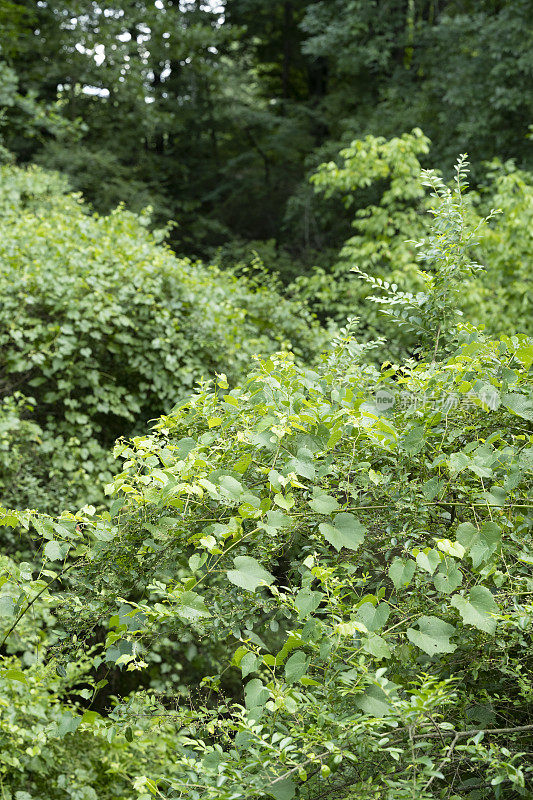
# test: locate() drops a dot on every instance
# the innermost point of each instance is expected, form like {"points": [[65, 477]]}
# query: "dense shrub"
{"points": [[354, 543], [105, 328]]}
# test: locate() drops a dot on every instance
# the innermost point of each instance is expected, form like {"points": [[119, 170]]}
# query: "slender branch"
{"points": [[473, 732], [449, 751], [31, 602], [436, 345], [290, 772]]}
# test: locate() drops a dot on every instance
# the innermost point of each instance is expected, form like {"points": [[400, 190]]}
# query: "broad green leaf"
{"points": [[350, 628], [376, 646], [282, 790], [90, 716], [249, 574], [255, 694], [231, 487], [428, 561], [304, 468], [8, 518], [414, 440], [401, 572], [465, 534], [480, 544], [249, 663], [324, 504], [374, 618], [68, 724], [7, 606], [197, 560], [183, 447], [432, 488], [497, 496], [346, 531], [481, 466], [192, 607], [53, 551], [275, 520], [488, 394], [14, 675], [524, 354], [296, 666], [478, 609], [307, 601], [432, 636], [448, 578], [284, 501], [519, 404], [454, 549], [458, 462], [375, 702], [43, 527], [239, 654], [485, 544], [291, 644]]}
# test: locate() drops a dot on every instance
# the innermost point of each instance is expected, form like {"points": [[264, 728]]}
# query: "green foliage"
{"points": [[352, 546], [105, 328], [458, 70], [432, 314], [41, 470], [393, 235], [312, 578], [382, 245], [25, 119], [48, 750], [192, 110]]}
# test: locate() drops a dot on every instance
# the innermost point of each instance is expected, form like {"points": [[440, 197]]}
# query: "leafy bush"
{"points": [[358, 544], [383, 243], [105, 328], [29, 468]]}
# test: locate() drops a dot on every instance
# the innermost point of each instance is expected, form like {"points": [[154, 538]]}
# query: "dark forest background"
{"points": [[215, 115]]}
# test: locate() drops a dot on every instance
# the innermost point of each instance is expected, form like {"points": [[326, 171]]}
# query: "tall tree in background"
{"points": [[216, 115], [462, 71]]}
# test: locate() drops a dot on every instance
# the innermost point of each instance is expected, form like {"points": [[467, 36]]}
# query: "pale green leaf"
{"points": [[307, 601], [255, 694], [376, 646], [53, 551], [346, 531], [432, 636], [428, 561], [401, 572], [519, 404], [282, 790], [192, 607], [324, 504], [478, 609], [14, 675], [286, 502], [7, 606], [448, 578], [375, 702], [249, 663], [231, 487], [296, 666], [249, 574], [374, 618]]}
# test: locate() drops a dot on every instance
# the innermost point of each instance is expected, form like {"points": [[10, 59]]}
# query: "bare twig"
{"points": [[449, 751]]}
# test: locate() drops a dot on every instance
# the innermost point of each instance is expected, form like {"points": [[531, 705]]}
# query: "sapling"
{"points": [[433, 313]]}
